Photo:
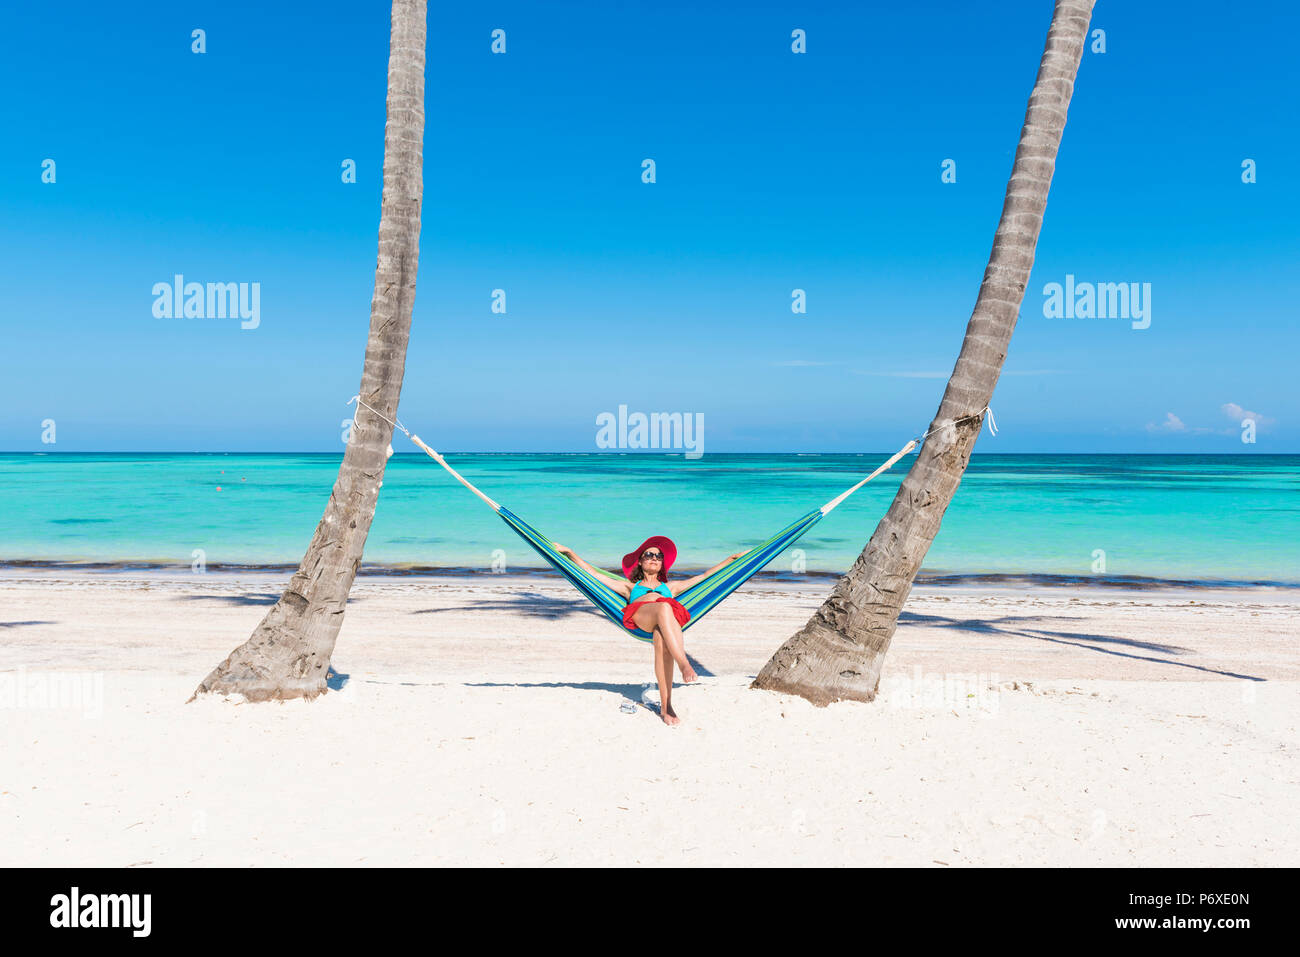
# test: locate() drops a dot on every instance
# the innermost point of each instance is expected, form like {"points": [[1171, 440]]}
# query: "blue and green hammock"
{"points": [[700, 598]]}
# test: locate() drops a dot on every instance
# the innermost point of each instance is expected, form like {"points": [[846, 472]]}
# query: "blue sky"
{"points": [[775, 171]]}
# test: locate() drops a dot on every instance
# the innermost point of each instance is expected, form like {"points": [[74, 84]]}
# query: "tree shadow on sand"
{"points": [[529, 604], [632, 691], [250, 598], [533, 605], [1015, 627]]}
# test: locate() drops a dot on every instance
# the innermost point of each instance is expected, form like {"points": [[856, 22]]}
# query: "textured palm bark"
{"points": [[288, 655], [839, 653]]}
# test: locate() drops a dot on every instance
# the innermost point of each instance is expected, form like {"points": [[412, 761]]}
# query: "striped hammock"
{"points": [[701, 597]]}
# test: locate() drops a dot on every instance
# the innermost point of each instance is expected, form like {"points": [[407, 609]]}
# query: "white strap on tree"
{"points": [[395, 424], [993, 426]]}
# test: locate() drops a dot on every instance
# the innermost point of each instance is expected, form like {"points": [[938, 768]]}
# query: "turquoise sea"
{"points": [[1226, 518]]}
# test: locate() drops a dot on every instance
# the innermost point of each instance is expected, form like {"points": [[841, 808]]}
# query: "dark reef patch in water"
{"points": [[375, 570]]}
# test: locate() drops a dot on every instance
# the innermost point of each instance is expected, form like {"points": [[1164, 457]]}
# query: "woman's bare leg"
{"points": [[658, 616], [664, 675], [677, 641]]}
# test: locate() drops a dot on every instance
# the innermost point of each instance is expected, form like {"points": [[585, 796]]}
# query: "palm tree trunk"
{"points": [[288, 655], [839, 653]]}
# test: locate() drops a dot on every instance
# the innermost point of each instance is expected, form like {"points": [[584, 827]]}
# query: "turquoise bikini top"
{"points": [[638, 590]]}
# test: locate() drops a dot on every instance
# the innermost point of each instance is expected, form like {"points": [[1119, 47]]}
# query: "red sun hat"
{"points": [[665, 545]]}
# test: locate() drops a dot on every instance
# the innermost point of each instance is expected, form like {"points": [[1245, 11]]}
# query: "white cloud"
{"points": [[1237, 414], [1172, 423]]}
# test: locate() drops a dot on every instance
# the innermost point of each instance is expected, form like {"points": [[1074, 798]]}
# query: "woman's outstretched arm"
{"points": [[620, 585], [678, 587]]}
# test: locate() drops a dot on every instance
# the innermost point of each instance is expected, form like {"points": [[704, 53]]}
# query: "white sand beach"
{"points": [[479, 724]]}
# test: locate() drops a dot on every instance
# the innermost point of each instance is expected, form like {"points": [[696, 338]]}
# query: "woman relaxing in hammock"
{"points": [[653, 607]]}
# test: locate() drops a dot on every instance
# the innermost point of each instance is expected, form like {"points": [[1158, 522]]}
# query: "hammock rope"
{"points": [[701, 597]]}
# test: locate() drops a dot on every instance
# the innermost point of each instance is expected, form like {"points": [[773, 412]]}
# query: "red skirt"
{"points": [[680, 613]]}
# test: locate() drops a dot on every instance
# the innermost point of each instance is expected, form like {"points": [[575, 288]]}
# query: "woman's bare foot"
{"points": [[688, 673], [669, 715]]}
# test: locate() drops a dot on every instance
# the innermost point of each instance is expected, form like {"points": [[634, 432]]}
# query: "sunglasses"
{"points": [[656, 556]]}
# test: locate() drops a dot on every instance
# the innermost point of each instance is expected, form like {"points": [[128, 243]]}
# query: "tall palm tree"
{"points": [[288, 655], [840, 651]]}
